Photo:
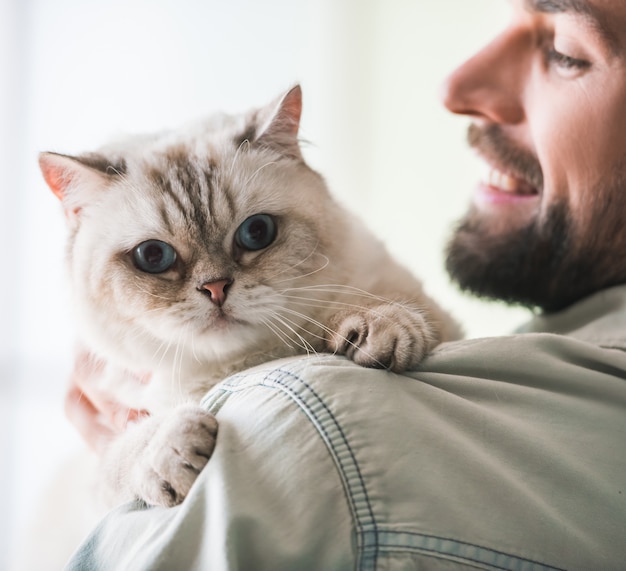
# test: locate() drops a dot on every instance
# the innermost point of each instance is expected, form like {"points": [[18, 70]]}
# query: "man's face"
{"points": [[547, 98]]}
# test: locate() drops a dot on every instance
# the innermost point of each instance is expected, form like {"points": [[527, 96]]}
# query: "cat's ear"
{"points": [[281, 123], [74, 180]]}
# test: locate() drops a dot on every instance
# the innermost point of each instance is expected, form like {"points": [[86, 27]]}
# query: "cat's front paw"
{"points": [[175, 455], [387, 336]]}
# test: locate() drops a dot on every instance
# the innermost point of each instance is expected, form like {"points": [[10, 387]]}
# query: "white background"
{"points": [[74, 73]]}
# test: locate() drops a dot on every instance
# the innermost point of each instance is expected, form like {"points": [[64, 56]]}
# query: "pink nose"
{"points": [[217, 290]]}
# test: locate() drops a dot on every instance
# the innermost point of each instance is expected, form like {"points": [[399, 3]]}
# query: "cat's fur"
{"points": [[323, 284]]}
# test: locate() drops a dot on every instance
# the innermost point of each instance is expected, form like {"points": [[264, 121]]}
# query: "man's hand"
{"points": [[97, 416]]}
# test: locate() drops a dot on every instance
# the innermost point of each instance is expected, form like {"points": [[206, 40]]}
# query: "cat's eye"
{"points": [[154, 256], [256, 232]]}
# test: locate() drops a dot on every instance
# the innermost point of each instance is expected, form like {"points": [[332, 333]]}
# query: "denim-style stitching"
{"points": [[373, 538], [368, 532], [367, 535], [213, 401], [511, 563]]}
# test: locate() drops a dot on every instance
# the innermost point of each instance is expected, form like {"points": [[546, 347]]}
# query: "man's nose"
{"points": [[490, 85]]}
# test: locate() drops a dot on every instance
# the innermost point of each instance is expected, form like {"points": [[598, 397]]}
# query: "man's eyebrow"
{"points": [[579, 8]]}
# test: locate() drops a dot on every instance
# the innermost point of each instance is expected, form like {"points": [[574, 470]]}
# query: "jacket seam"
{"points": [[372, 538]]}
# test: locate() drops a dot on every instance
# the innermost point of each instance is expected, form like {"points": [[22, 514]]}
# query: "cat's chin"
{"points": [[223, 323], [226, 334]]}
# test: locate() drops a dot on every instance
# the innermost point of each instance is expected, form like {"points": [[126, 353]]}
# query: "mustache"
{"points": [[491, 142]]}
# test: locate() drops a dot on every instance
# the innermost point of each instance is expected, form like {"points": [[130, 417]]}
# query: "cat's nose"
{"points": [[217, 290]]}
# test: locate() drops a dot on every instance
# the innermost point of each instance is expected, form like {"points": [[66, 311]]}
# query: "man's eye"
{"points": [[566, 62]]}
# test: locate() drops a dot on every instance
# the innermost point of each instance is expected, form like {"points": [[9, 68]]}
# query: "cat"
{"points": [[196, 253]]}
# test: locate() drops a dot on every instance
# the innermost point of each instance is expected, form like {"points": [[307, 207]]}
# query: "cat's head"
{"points": [[197, 240]]}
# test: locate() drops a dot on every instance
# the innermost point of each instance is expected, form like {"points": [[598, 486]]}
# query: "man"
{"points": [[497, 453]]}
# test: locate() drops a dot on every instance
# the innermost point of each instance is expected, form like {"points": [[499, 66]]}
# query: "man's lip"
{"points": [[500, 188], [518, 164], [487, 195], [502, 180]]}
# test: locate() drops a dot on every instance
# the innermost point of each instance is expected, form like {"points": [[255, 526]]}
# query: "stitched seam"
{"points": [[466, 562], [367, 530], [513, 562], [371, 539], [214, 401]]}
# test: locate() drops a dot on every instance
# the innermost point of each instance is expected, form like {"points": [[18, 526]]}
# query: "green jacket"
{"points": [[498, 453]]}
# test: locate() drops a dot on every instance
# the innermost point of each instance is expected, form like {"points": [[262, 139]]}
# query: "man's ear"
{"points": [[74, 180], [279, 131]]}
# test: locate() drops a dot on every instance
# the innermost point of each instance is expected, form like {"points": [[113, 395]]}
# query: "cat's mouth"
{"points": [[221, 319]]}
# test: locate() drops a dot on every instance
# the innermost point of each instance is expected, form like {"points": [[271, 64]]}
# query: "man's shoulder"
{"points": [[599, 319], [328, 384], [470, 460], [392, 457]]}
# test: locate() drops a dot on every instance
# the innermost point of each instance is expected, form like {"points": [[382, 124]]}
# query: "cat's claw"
{"points": [[387, 336], [175, 455]]}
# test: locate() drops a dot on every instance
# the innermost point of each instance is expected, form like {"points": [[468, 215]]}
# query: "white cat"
{"points": [[196, 253]]}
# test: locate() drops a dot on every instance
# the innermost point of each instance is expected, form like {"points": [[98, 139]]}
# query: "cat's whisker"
{"points": [[151, 294], [329, 331], [193, 348], [176, 374], [175, 377], [165, 352], [300, 341], [278, 332], [275, 321], [308, 319], [341, 305], [112, 169], [179, 359], [311, 273], [339, 289], [137, 334], [162, 346], [302, 261], [245, 142], [332, 303], [256, 172], [315, 302]]}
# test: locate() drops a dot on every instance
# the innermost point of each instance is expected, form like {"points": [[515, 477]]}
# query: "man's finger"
{"points": [[87, 419]]}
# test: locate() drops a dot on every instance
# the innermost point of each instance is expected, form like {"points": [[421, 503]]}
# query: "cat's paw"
{"points": [[387, 336], [174, 456]]}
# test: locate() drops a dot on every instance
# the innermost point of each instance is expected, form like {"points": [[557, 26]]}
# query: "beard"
{"points": [[550, 262]]}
